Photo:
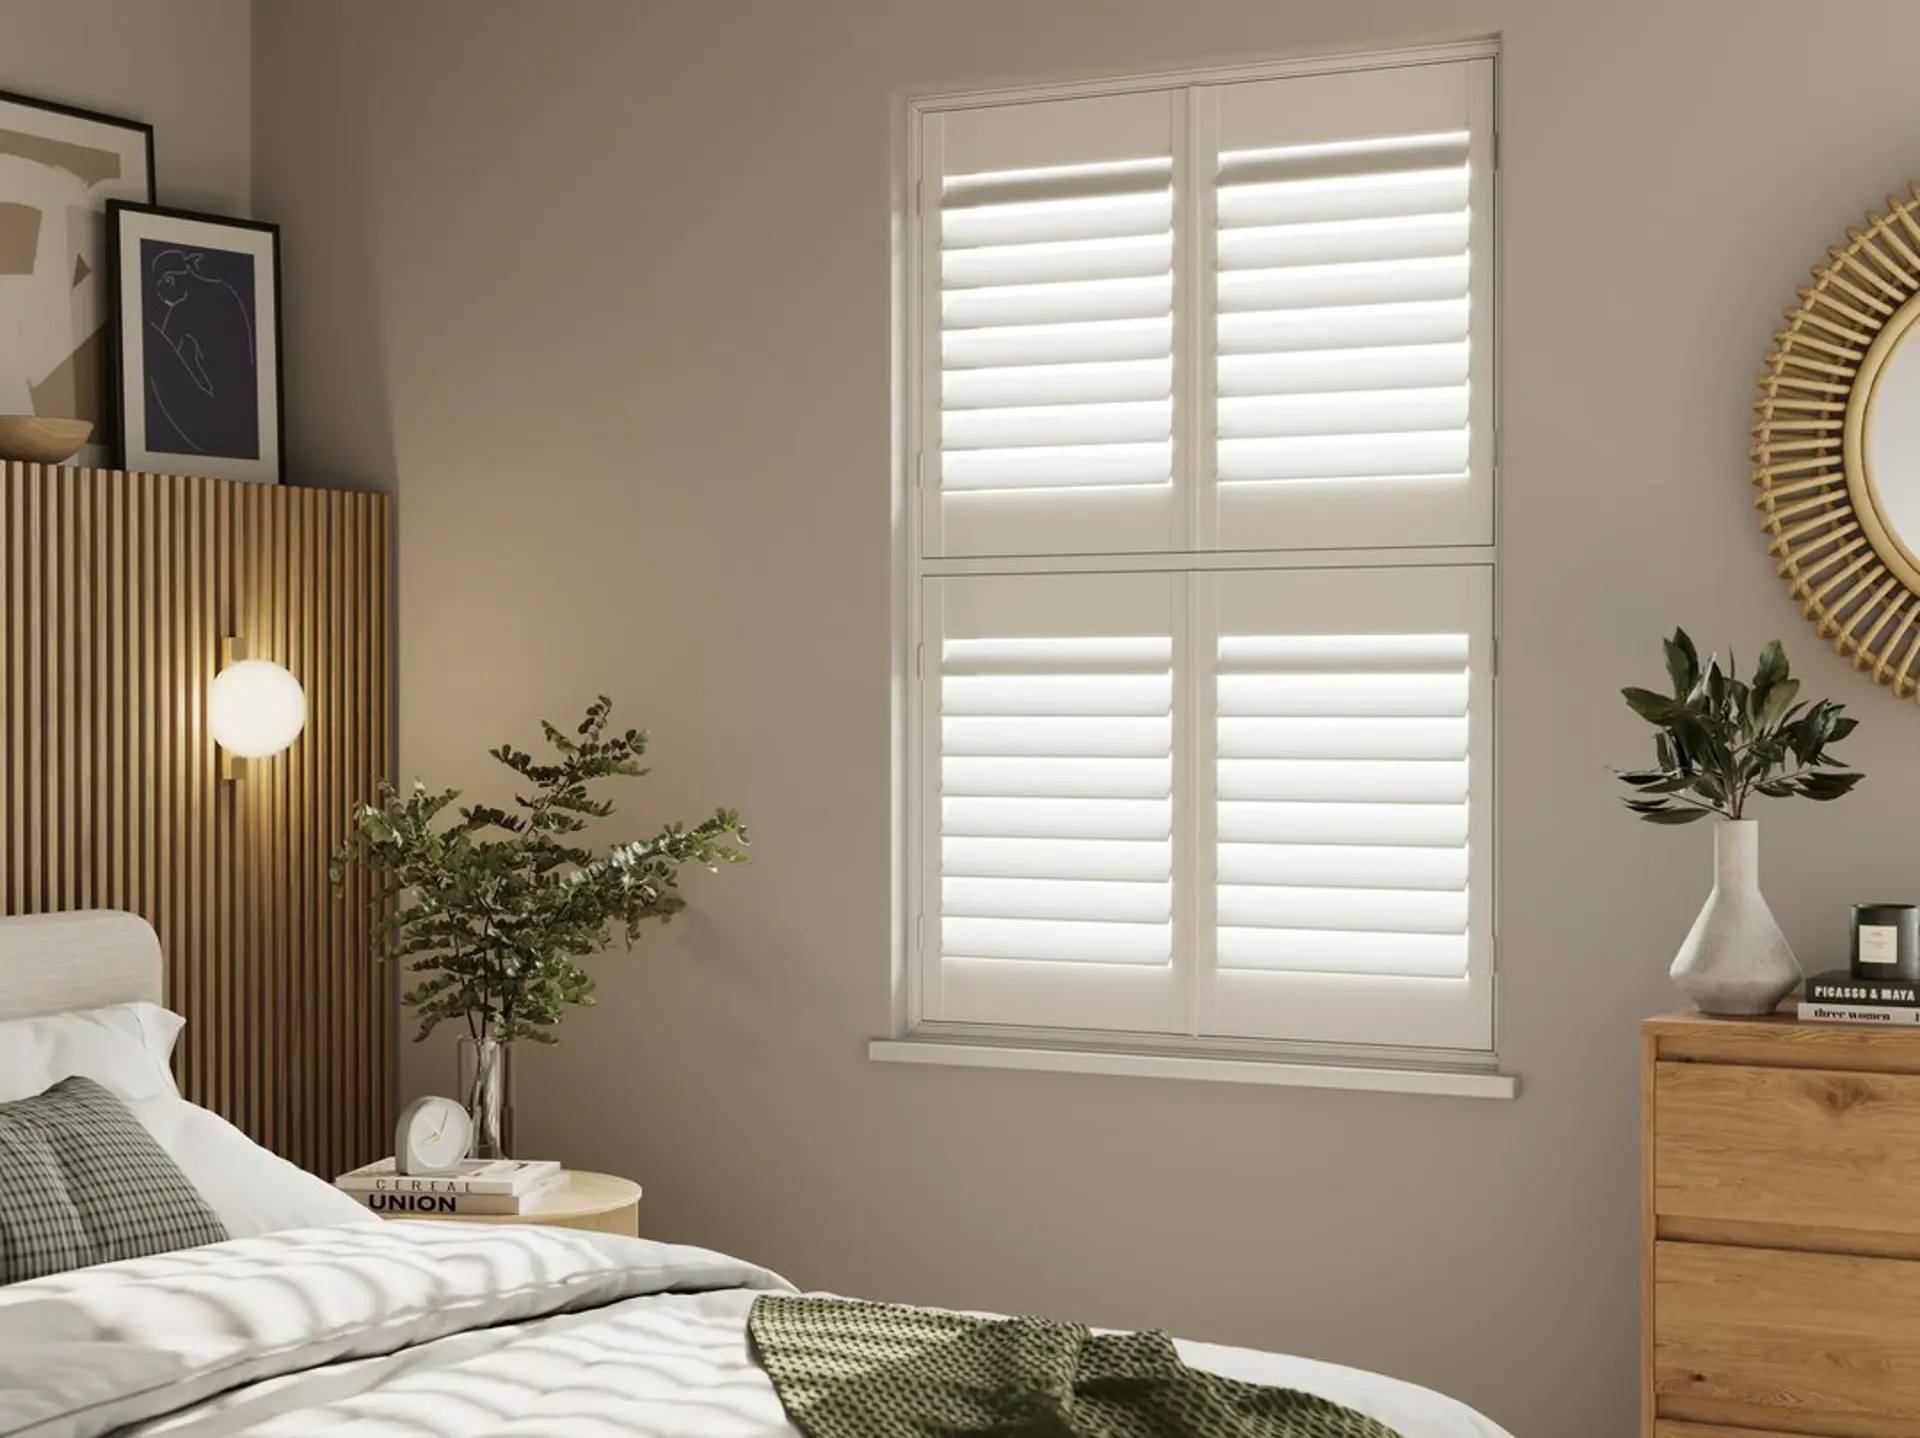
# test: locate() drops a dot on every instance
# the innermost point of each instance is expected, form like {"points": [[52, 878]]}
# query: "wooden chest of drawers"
{"points": [[1780, 1270]]}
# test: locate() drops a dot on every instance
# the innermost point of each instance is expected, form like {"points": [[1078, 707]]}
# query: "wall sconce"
{"points": [[255, 708]]}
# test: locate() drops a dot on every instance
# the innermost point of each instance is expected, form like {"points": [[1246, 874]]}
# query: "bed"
{"points": [[320, 1320]]}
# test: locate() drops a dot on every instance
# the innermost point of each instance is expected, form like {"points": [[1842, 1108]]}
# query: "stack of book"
{"points": [[479, 1186], [1837, 997]]}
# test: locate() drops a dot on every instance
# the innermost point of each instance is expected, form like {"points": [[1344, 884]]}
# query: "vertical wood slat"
{"points": [[115, 592]]}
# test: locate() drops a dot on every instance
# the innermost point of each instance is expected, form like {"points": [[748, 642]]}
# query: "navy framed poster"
{"points": [[196, 362]]}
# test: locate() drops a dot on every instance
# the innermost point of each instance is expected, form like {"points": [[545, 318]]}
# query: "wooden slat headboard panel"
{"points": [[115, 592]]}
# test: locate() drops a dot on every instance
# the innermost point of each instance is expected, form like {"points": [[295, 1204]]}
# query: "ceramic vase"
{"points": [[1735, 961]]}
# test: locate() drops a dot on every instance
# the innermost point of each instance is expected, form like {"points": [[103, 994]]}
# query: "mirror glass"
{"points": [[1892, 443]]}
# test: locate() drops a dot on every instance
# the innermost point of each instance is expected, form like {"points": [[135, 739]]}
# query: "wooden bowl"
{"points": [[34, 440]]}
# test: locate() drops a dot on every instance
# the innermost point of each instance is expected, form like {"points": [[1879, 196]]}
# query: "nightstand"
{"points": [[595, 1201], [1778, 1283]]}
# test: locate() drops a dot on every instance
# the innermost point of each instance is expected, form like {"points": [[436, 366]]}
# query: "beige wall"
{"points": [[601, 290], [183, 66]]}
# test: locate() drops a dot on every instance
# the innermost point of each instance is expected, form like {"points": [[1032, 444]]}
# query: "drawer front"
{"points": [[1809, 1147], [1771, 1339], [1715, 1430]]}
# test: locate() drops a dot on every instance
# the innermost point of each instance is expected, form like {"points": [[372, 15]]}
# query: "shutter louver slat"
{"points": [[1059, 466], [1350, 163], [1054, 778], [1368, 781], [1093, 342], [1290, 906], [1057, 858], [1371, 737], [1349, 823], [1049, 743], [1345, 866], [1396, 237], [1376, 282], [1420, 194], [1380, 412], [1058, 941], [1342, 783], [1061, 302], [1052, 183], [1103, 899], [1095, 219], [1056, 818], [1420, 455], [1311, 951], [1062, 384], [1124, 257], [1282, 376], [1059, 424], [1344, 327], [1116, 738]]}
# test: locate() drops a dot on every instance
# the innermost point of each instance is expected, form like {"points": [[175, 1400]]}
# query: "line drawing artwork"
{"points": [[202, 359]]}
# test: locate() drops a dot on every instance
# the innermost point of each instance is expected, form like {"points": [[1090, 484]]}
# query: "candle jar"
{"points": [[1886, 942]]}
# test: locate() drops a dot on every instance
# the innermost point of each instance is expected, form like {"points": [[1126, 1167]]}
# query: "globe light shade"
{"points": [[255, 709]]}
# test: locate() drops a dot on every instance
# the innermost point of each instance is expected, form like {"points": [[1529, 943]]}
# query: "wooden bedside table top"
{"points": [[599, 1202]]}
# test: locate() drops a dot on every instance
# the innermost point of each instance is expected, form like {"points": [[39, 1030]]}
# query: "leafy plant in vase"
{"points": [[493, 909], [1722, 743]]}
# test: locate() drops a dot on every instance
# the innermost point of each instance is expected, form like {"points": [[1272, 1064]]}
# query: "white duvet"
{"points": [[422, 1330]]}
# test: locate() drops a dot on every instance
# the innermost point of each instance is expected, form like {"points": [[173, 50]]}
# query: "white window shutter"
{"points": [[1350, 318], [1348, 714], [1181, 769], [1047, 334], [1049, 800]]}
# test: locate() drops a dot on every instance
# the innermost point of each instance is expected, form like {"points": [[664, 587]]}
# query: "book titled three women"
{"points": [[480, 1186]]}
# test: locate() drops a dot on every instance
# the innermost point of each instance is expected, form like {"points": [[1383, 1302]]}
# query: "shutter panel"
{"points": [[1048, 882], [1350, 827], [1350, 315], [1048, 326]]}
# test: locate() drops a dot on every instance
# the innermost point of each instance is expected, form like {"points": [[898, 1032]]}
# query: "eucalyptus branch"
{"points": [[492, 910]]}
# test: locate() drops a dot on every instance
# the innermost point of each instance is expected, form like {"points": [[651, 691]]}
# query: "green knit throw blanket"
{"points": [[877, 1370]]}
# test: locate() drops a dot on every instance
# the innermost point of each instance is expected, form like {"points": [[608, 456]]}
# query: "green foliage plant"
{"points": [[1721, 741], [492, 910]]}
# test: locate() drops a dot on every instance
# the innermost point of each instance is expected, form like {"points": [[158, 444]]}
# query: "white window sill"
{"points": [[1454, 1083]]}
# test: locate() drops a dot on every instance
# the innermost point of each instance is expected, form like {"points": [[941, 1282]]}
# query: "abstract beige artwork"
{"points": [[58, 169]]}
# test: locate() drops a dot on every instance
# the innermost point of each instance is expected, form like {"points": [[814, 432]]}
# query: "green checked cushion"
{"points": [[846, 1369], [81, 1182]]}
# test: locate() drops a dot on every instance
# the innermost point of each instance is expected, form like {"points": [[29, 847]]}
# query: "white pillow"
{"points": [[124, 1048], [253, 1191]]}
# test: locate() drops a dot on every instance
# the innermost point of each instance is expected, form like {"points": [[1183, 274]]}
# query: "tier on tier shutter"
{"points": [[1349, 309], [1048, 878], [1187, 766], [1346, 727], [1047, 326]]}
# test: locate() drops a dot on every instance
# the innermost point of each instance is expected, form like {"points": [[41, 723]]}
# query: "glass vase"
{"points": [[485, 1091]]}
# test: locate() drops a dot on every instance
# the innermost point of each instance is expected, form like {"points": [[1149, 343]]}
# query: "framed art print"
{"points": [[196, 365], [59, 169]]}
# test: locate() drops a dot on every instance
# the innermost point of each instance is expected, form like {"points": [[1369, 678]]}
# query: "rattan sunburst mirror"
{"points": [[1837, 447]]}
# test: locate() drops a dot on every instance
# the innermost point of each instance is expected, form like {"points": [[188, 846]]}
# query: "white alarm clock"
{"points": [[431, 1138]]}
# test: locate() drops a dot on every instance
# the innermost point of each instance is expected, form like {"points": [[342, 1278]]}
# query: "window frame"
{"points": [[916, 279]]}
